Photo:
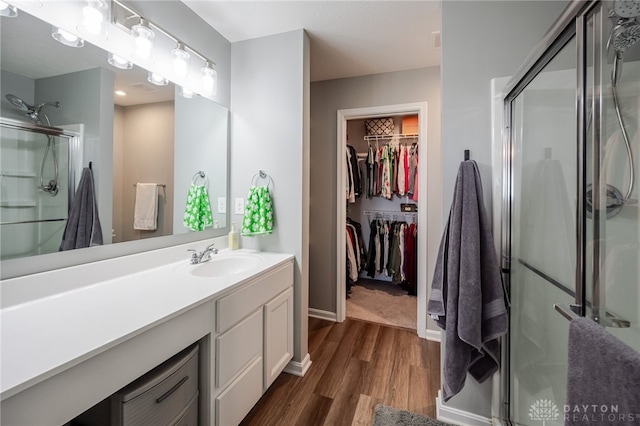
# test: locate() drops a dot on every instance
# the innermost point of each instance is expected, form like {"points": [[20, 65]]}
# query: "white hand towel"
{"points": [[145, 214]]}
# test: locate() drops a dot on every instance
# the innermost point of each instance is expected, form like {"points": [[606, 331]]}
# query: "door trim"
{"points": [[425, 201]]}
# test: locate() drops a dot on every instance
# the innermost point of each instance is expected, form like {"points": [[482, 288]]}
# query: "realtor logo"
{"points": [[544, 410]]}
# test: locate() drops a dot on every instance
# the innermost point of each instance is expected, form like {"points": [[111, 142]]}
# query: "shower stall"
{"points": [[570, 213], [38, 177]]}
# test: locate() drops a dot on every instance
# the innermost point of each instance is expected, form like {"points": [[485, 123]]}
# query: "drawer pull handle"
{"points": [[168, 393]]}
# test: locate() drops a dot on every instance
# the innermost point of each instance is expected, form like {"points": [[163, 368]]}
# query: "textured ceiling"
{"points": [[348, 38]]}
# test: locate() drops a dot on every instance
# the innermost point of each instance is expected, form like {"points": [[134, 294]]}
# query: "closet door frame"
{"points": [[429, 205]]}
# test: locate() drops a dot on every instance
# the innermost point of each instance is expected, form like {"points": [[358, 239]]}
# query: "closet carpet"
{"points": [[382, 302]]}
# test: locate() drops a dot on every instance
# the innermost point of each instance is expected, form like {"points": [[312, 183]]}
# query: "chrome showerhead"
{"points": [[19, 103], [33, 112], [625, 34], [627, 8]]}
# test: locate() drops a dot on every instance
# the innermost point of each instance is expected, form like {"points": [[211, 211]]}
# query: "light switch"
{"points": [[239, 206], [222, 205]]}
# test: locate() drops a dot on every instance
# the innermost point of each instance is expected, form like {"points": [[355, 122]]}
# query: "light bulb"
{"points": [[67, 38], [187, 93], [7, 10], [209, 77], [157, 79], [119, 62], [181, 60], [93, 18], [143, 39]]}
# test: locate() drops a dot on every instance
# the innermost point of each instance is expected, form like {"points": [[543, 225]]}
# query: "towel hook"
{"points": [[466, 155]]}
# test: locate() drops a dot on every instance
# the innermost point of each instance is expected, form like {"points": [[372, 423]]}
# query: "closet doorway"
{"points": [[381, 212]]}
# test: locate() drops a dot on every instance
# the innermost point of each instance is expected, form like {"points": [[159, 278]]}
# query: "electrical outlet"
{"points": [[239, 206], [222, 205]]}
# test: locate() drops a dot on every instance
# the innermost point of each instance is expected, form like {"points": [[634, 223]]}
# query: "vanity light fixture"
{"points": [[94, 17], [209, 78], [181, 60], [157, 79], [144, 36], [66, 38], [187, 93], [7, 10], [119, 62]]}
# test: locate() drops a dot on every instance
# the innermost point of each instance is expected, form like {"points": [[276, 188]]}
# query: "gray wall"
{"points": [[481, 40], [327, 98], [269, 116]]}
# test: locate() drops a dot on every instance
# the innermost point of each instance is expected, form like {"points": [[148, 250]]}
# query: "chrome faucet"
{"points": [[204, 256]]}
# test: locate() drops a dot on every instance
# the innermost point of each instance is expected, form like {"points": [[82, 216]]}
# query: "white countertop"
{"points": [[47, 335]]}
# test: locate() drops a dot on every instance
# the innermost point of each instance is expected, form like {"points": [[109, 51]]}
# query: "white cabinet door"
{"points": [[242, 394], [278, 335]]}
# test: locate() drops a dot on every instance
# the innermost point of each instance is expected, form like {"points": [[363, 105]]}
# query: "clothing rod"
{"points": [[32, 221], [387, 212], [394, 136], [158, 184]]}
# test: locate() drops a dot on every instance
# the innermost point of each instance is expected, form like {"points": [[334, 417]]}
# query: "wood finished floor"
{"points": [[355, 365]]}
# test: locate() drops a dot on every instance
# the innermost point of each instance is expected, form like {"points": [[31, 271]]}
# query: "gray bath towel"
{"points": [[83, 226], [603, 383], [467, 298]]}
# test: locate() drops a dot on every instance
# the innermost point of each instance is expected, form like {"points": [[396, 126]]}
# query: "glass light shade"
{"points": [[7, 10], [209, 79], [181, 60], [94, 18], [66, 38], [119, 62], [187, 93], [157, 79], [143, 39]]}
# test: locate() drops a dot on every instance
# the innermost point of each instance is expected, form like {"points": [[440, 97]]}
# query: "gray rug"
{"points": [[387, 416]]}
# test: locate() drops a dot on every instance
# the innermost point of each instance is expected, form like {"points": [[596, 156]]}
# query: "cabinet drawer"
{"points": [[234, 307], [190, 418], [242, 394], [158, 397], [237, 347]]}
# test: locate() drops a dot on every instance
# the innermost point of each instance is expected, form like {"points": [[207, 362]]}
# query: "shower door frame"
{"points": [[571, 23]]}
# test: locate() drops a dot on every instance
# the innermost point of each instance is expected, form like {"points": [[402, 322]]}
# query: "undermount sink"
{"points": [[222, 266]]}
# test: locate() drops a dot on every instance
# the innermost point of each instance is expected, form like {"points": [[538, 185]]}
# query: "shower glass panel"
{"points": [[32, 219], [613, 230], [543, 237]]}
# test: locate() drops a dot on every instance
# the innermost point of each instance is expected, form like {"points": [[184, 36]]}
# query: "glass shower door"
{"points": [[32, 220], [543, 238]]}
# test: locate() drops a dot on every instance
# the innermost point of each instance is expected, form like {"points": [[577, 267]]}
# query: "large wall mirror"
{"points": [[132, 132]]}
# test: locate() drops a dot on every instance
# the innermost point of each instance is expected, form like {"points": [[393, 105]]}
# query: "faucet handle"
{"points": [[210, 246]]}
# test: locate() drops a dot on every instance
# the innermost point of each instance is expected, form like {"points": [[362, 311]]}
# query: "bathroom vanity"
{"points": [[65, 352]]}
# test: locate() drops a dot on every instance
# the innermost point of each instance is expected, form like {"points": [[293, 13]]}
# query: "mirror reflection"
{"points": [[64, 108]]}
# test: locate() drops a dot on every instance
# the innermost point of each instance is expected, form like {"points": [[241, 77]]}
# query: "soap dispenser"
{"points": [[233, 237]]}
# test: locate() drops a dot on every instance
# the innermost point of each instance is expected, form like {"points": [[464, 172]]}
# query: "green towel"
{"points": [[258, 212], [197, 213]]}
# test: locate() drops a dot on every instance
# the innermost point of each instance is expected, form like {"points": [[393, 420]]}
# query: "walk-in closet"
{"points": [[381, 226]]}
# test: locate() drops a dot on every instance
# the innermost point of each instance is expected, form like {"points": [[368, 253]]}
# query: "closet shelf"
{"points": [[397, 136]]}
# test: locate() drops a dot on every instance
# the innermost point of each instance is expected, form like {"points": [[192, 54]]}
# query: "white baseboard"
{"points": [[433, 335], [298, 368], [457, 416], [325, 315]]}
